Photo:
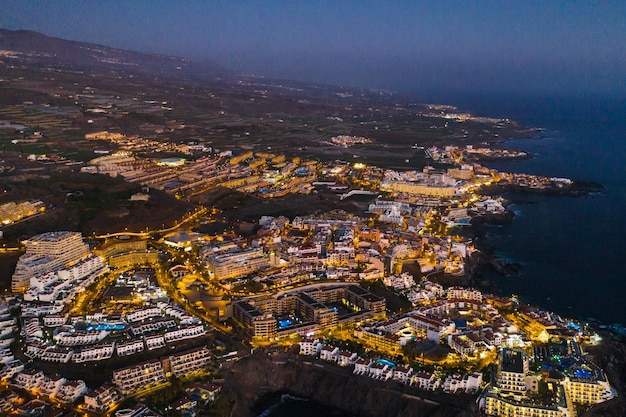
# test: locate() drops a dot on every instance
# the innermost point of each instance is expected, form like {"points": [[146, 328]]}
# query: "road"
{"points": [[148, 234]]}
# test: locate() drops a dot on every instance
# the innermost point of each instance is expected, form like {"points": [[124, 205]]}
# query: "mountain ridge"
{"points": [[36, 47]]}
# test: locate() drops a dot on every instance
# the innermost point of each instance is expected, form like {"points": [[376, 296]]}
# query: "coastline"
{"points": [[258, 382]]}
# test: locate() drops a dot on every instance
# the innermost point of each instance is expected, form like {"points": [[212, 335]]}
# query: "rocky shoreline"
{"points": [[576, 189]]}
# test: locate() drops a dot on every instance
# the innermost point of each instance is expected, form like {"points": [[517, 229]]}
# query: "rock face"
{"points": [[262, 374]]}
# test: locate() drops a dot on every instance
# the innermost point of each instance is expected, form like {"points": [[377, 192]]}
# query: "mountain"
{"points": [[36, 48]]}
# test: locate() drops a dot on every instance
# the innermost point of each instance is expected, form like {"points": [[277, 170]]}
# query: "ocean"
{"points": [[572, 249]]}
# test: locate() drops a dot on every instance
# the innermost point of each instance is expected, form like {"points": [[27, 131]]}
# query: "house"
{"points": [[56, 354], [362, 366], [55, 320], [473, 382], [101, 398], [203, 392], [329, 353], [138, 376], [179, 271], [29, 379], [130, 347], [346, 358], [185, 332], [425, 380], [453, 384], [71, 391], [11, 368], [310, 346], [380, 371], [94, 352], [155, 342], [403, 373], [32, 408], [8, 401], [51, 385], [190, 361]]}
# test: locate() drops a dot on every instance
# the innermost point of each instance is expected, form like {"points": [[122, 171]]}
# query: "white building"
{"points": [[51, 385], [47, 252], [56, 354], [425, 380], [329, 353], [55, 320], [71, 391], [94, 352], [144, 313], [138, 376], [185, 363], [310, 346], [130, 347], [101, 398], [155, 342], [402, 373], [29, 378], [346, 358], [362, 366], [187, 332]]}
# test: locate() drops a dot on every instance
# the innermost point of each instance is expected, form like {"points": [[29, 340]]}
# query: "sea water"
{"points": [[572, 249]]}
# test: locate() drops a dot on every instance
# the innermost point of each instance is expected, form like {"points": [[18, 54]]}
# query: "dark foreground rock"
{"points": [[266, 372]]}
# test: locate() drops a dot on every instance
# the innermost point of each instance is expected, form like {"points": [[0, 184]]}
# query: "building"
{"points": [[29, 378], [310, 346], [315, 311], [497, 405], [512, 370], [136, 257], [71, 391], [94, 353], [185, 363], [138, 376], [101, 398], [257, 323], [237, 263], [130, 347], [45, 253], [185, 332], [364, 299]]}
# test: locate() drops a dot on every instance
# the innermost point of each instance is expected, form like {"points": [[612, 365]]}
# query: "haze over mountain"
{"points": [[40, 49]]}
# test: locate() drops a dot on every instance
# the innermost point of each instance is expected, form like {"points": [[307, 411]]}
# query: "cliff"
{"points": [[267, 372]]}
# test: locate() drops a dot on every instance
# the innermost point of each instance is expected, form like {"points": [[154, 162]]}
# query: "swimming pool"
{"points": [[386, 362], [582, 373], [106, 326], [284, 323]]}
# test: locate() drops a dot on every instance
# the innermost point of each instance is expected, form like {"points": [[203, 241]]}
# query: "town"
{"points": [[158, 236], [354, 290]]}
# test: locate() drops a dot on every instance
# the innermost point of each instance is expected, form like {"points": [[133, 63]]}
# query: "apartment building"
{"points": [[138, 376], [237, 263], [101, 398], [47, 252], [257, 323], [185, 363]]}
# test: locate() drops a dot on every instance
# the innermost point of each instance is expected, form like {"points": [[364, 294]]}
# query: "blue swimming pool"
{"points": [[284, 323], [386, 362], [105, 326], [582, 373]]}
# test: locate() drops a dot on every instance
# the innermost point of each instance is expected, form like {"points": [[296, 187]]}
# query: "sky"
{"points": [[547, 47]]}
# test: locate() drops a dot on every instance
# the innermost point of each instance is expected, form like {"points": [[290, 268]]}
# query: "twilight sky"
{"points": [[557, 47]]}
